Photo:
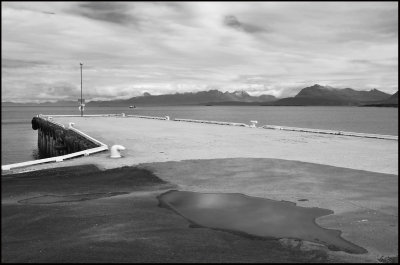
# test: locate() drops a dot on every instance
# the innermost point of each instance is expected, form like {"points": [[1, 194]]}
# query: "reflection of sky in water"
{"points": [[256, 216]]}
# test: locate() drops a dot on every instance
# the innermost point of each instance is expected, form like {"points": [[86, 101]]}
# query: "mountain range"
{"points": [[392, 101], [315, 95], [191, 98], [318, 95]]}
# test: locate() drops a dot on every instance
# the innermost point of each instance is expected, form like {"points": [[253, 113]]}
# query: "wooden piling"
{"points": [[48, 145], [44, 149]]}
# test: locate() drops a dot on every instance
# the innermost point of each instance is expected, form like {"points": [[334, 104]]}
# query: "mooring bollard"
{"points": [[253, 124], [115, 151]]}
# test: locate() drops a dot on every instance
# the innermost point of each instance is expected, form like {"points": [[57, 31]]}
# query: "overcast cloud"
{"points": [[128, 48]]}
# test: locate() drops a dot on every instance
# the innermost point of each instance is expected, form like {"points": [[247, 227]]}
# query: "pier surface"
{"points": [[355, 177], [149, 140]]}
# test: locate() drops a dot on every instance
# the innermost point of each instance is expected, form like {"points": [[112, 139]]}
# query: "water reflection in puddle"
{"points": [[255, 216]]}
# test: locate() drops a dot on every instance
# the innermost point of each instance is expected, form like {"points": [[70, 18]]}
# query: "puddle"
{"points": [[48, 199], [257, 217]]}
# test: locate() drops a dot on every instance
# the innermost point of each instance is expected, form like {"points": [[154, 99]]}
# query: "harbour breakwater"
{"points": [[57, 143], [55, 140]]}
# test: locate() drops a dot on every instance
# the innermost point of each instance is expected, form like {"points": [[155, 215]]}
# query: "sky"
{"points": [[128, 48]]}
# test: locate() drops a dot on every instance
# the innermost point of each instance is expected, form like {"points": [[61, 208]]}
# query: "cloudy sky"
{"points": [[128, 48]]}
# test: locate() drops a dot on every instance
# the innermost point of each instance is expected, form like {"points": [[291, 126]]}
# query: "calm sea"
{"points": [[19, 141]]}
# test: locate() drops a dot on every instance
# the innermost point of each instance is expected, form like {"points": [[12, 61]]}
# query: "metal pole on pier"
{"points": [[81, 107]]}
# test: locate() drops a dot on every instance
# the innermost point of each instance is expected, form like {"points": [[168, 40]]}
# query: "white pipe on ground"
{"points": [[115, 151]]}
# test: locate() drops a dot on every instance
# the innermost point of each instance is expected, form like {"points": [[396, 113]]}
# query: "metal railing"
{"points": [[333, 132], [214, 122]]}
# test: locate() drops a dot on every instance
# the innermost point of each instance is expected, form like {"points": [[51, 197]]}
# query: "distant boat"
{"points": [[132, 107]]}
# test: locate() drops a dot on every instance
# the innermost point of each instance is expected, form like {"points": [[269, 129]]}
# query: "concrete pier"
{"points": [[151, 140]]}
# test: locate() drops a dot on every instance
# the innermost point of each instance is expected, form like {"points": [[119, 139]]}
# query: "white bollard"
{"points": [[115, 151], [253, 124]]}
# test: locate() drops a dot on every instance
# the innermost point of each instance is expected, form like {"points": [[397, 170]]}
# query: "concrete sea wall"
{"points": [[57, 143], [55, 140]]}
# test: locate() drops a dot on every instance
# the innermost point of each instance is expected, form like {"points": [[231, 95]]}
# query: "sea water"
{"points": [[19, 141]]}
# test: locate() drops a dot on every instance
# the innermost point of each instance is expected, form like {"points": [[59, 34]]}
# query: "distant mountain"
{"points": [[318, 95], [236, 103], [191, 98], [392, 101], [393, 98]]}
